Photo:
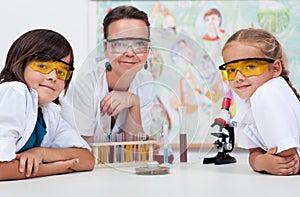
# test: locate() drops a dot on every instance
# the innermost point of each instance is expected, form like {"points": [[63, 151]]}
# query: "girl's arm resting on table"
{"points": [[283, 163]]}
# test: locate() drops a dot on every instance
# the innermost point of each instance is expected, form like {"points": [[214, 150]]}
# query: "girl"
{"points": [[35, 141], [114, 94], [268, 108]]}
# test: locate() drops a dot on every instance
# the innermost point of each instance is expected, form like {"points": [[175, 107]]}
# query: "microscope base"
{"points": [[219, 159]]}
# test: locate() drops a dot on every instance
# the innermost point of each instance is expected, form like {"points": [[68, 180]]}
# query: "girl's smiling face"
{"points": [[243, 86], [48, 86]]}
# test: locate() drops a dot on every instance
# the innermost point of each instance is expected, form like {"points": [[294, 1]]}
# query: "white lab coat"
{"points": [[18, 115], [271, 117], [81, 104]]}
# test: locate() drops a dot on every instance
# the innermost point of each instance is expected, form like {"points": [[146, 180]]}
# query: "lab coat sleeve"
{"points": [[143, 87], [243, 141], [60, 133], [146, 109], [79, 106], [67, 137], [12, 120], [245, 130], [274, 117]]}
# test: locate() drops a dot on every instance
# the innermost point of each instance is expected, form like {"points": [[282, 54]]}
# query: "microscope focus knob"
{"points": [[228, 146]]}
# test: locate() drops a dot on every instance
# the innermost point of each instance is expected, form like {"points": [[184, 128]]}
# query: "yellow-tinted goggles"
{"points": [[248, 67], [46, 64]]}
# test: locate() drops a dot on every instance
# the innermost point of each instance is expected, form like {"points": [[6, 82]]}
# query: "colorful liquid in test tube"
{"points": [[182, 135], [144, 151], [166, 145]]}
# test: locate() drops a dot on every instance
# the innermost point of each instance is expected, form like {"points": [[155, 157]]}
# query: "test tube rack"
{"points": [[123, 154]]}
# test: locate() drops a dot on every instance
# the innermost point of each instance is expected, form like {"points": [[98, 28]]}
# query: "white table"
{"points": [[191, 179]]}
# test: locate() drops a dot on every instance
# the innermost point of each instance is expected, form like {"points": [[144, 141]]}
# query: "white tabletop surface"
{"points": [[190, 179]]}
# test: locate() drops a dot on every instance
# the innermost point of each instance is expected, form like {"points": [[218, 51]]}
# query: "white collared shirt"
{"points": [[18, 115], [271, 117], [81, 104]]}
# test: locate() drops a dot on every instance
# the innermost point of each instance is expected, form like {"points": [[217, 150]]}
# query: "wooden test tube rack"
{"points": [[123, 154]]}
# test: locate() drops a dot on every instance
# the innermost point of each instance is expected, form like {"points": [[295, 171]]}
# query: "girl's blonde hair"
{"points": [[269, 46]]}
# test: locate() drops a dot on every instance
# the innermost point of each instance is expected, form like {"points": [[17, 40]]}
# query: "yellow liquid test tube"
{"points": [[103, 154], [127, 152], [144, 152]]}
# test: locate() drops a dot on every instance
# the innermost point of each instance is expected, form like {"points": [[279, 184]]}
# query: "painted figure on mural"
{"points": [[213, 22]]}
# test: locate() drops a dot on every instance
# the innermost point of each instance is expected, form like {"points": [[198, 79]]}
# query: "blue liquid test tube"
{"points": [[166, 145]]}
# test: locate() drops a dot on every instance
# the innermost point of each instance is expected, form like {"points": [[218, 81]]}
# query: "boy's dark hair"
{"points": [[30, 43]]}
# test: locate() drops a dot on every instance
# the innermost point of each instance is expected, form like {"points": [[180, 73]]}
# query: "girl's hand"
{"points": [[116, 101], [30, 161], [284, 164]]}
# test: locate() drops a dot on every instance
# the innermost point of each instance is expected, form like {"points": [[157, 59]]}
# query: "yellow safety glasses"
{"points": [[247, 67], [45, 64]]}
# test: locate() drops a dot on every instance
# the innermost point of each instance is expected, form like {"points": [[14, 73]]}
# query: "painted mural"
{"points": [[186, 41]]}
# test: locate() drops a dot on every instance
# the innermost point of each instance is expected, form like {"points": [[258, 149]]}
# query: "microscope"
{"points": [[225, 142]]}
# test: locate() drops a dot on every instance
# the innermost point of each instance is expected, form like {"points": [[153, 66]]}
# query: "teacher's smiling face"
{"points": [[127, 45]]}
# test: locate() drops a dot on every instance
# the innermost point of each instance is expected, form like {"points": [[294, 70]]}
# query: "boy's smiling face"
{"points": [[48, 86]]}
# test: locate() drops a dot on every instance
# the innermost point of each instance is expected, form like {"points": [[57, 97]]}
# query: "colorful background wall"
{"points": [[187, 38]]}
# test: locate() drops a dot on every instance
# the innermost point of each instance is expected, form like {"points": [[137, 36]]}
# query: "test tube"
{"points": [[128, 148], [103, 154], [134, 148], [96, 154], [150, 152], [166, 145], [182, 135], [111, 149], [139, 146], [144, 150]]}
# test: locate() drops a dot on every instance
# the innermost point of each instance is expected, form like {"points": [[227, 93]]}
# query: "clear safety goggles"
{"points": [[247, 67], [45, 64], [121, 45]]}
